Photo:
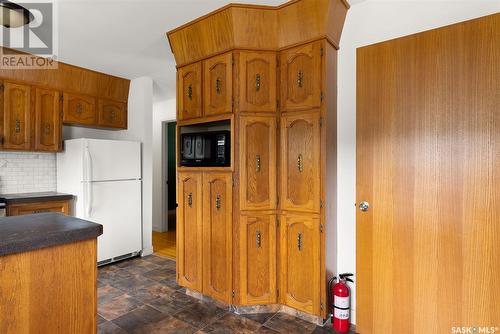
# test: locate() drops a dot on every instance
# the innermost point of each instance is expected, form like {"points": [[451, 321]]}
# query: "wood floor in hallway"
{"points": [[164, 243]]}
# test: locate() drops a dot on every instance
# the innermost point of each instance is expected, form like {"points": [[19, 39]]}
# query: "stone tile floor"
{"points": [[141, 296]]}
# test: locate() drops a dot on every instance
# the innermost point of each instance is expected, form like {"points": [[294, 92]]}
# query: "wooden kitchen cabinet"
{"points": [[79, 109], [258, 258], [47, 120], [111, 114], [218, 85], [189, 97], [217, 235], [19, 209], [300, 161], [301, 77], [189, 230], [300, 262], [258, 163], [257, 86], [17, 120]]}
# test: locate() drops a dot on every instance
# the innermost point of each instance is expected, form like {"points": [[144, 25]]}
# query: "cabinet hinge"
{"points": [[61, 97], [321, 51], [1, 87], [321, 96], [321, 228], [321, 121], [277, 292]]}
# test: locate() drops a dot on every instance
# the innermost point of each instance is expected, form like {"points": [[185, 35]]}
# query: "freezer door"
{"points": [[106, 160], [116, 205]]}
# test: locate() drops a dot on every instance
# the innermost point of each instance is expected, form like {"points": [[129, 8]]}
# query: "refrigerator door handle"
{"points": [[88, 170]]}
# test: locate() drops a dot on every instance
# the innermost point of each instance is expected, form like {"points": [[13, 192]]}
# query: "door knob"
{"points": [[364, 206]]}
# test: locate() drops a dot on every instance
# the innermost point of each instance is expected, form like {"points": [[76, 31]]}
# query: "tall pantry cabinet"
{"points": [[253, 233]]}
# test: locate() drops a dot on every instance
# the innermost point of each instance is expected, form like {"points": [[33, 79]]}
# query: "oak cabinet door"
{"points": [[217, 235], [48, 125], [300, 262], [17, 116], [79, 109], [258, 259], [257, 82], [112, 114], [189, 91], [218, 85], [301, 77], [300, 162], [258, 163], [38, 207], [189, 230]]}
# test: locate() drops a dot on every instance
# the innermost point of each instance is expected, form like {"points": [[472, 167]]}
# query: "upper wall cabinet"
{"points": [[189, 91], [79, 109], [218, 85], [301, 77], [16, 116], [47, 120], [112, 114], [257, 71]]}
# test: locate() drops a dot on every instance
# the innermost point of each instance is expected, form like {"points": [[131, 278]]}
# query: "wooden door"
{"points": [[217, 235], [300, 262], [189, 230], [79, 109], [218, 85], [17, 116], [48, 125], [301, 77], [258, 259], [257, 163], [300, 162], [112, 114], [428, 164], [257, 82], [189, 92]]}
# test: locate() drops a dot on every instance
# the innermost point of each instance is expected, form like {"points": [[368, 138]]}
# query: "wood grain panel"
{"points": [[189, 95], [17, 118], [189, 230], [111, 114], [47, 120], [79, 109], [428, 134], [39, 207], [218, 85], [50, 290]]}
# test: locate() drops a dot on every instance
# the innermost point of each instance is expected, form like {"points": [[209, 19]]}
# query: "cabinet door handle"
{"points": [[218, 86], [258, 239], [300, 78], [257, 82], [300, 163], [190, 92], [113, 114], [257, 163], [18, 126], [299, 241], [79, 108], [190, 200], [217, 202]]}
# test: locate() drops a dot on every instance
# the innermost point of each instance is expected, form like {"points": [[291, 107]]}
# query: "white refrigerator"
{"points": [[105, 178]]}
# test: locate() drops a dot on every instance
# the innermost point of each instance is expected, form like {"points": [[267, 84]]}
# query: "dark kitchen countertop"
{"points": [[27, 233], [35, 197]]}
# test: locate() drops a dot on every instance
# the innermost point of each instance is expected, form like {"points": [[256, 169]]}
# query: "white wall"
{"points": [[140, 120], [162, 111], [367, 23]]}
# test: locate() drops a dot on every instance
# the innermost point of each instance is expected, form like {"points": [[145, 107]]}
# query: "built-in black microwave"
{"points": [[206, 149]]}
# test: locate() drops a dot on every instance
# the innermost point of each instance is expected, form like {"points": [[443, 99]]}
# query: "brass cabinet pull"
{"points": [[41, 210], [299, 241], [217, 202], [258, 239], [113, 114], [300, 163], [300, 78], [47, 128], [79, 108], [218, 86], [190, 200], [190, 92], [18, 126], [257, 82], [257, 163]]}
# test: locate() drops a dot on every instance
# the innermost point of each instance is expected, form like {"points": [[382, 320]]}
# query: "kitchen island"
{"points": [[48, 274]]}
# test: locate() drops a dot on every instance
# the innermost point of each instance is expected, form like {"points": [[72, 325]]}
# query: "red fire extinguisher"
{"points": [[339, 296]]}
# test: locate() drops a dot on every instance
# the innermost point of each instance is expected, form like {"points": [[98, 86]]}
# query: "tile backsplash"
{"points": [[22, 172]]}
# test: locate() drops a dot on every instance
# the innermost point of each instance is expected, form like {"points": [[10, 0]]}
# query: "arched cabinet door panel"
{"points": [[301, 77], [300, 162], [218, 85], [16, 116], [189, 230], [257, 163], [189, 94], [47, 120], [217, 235]]}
